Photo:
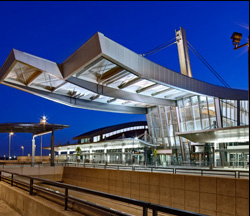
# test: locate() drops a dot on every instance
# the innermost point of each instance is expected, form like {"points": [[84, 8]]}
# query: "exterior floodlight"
{"points": [[43, 120], [22, 147], [236, 37]]}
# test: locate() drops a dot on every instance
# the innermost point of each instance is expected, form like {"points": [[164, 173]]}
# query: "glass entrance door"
{"points": [[165, 160], [237, 160], [232, 161]]}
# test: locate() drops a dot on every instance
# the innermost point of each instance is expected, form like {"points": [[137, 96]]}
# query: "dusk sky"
{"points": [[54, 30]]}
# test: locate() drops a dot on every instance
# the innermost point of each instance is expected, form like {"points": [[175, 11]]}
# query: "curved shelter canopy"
{"points": [[34, 128], [103, 75]]}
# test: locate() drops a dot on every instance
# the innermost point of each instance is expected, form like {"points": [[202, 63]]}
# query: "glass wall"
{"points": [[244, 113], [164, 125], [228, 112], [212, 112], [197, 113], [156, 124], [193, 114], [85, 140]]}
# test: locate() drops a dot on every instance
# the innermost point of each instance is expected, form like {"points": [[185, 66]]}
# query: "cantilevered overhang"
{"points": [[218, 135], [103, 75]]}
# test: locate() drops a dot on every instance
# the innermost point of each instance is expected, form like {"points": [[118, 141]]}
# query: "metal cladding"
{"points": [[102, 71]]}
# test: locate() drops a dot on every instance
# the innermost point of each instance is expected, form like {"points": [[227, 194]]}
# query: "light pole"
{"points": [[236, 37], [10, 134], [22, 147], [42, 121], [41, 149]]}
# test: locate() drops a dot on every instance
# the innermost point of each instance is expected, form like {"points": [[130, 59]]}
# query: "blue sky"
{"points": [[54, 30]]}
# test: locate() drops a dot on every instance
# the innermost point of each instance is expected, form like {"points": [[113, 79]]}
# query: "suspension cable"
{"points": [[162, 48], [159, 47], [208, 67], [203, 60]]}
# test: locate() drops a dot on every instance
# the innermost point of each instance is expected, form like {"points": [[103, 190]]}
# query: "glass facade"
{"points": [[196, 113], [244, 113], [112, 152], [193, 114], [228, 112]]}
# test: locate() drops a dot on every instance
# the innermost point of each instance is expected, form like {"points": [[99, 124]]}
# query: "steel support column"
{"points": [[52, 150], [123, 156], [218, 112], [167, 126], [41, 149], [151, 125], [33, 151], [162, 128], [238, 112]]}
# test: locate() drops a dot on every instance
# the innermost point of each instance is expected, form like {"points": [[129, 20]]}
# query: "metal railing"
{"points": [[193, 171], [33, 188]]}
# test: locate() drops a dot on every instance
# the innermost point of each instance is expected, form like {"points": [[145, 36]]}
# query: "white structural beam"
{"points": [[80, 103], [116, 93]]}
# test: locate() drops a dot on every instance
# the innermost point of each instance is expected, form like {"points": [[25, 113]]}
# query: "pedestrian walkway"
{"points": [[6, 210]]}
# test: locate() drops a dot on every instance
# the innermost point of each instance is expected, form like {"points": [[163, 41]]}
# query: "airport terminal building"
{"points": [[194, 121], [117, 144]]}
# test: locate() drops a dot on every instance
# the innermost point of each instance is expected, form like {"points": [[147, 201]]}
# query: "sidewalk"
{"points": [[160, 166]]}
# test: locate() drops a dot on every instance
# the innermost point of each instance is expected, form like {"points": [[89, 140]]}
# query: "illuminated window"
{"points": [[96, 138]]}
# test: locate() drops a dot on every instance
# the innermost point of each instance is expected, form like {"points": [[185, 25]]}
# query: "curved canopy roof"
{"points": [[103, 75], [110, 129]]}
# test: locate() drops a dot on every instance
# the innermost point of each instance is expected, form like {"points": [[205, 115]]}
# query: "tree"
{"points": [[78, 151]]}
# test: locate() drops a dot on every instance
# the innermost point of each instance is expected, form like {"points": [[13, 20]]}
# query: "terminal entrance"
{"points": [[137, 159], [165, 160]]}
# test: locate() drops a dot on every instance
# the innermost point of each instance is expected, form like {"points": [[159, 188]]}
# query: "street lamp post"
{"points": [[41, 149], [236, 37], [10, 134], [42, 121]]}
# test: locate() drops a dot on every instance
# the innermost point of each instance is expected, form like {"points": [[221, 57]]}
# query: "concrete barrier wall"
{"points": [[29, 158], [37, 159], [27, 205], [50, 173], [207, 195]]}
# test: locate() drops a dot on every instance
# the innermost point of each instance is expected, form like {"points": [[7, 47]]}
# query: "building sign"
{"points": [[164, 151]]}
